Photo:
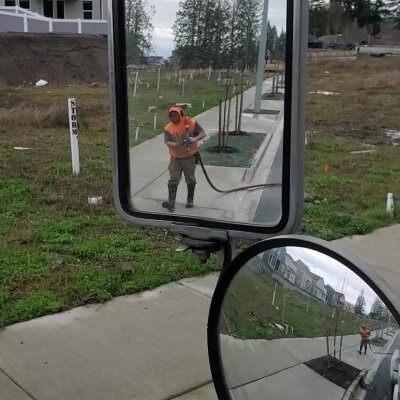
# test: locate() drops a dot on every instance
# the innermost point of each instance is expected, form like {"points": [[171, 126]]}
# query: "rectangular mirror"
{"points": [[207, 120]]}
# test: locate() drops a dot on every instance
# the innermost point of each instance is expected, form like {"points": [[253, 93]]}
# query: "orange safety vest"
{"points": [[178, 132]]}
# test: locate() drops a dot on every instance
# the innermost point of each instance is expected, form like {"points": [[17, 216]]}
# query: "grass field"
{"points": [[250, 314], [56, 252], [197, 92]]}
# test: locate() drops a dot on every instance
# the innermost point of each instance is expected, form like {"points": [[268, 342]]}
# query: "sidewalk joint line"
{"points": [[194, 290], [186, 391], [17, 384]]}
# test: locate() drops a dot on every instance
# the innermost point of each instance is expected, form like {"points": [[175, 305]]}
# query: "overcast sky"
{"points": [[164, 18], [335, 274]]}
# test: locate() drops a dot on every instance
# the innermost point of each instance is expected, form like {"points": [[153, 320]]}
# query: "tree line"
{"points": [[222, 33], [217, 33], [336, 16]]}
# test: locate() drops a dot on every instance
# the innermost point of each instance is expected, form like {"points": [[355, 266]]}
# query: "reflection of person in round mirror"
{"points": [[365, 334], [182, 135]]}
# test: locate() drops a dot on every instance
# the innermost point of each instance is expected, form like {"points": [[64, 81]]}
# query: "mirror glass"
{"points": [[202, 56], [296, 323]]}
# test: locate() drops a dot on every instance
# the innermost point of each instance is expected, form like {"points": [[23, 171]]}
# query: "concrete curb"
{"points": [[251, 171], [349, 394]]}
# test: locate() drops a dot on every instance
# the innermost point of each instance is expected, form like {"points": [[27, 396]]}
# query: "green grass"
{"points": [[196, 91], [351, 197], [250, 314], [56, 252]]}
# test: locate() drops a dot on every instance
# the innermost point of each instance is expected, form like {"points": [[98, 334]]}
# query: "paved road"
{"points": [[382, 383]]}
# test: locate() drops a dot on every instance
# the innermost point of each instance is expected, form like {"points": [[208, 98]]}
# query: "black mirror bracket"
{"points": [[205, 242]]}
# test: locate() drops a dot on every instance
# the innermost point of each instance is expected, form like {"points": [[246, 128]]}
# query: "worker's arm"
{"points": [[198, 133], [172, 144], [169, 140]]}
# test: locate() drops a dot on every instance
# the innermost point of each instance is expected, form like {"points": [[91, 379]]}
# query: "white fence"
{"points": [[377, 50], [16, 19]]}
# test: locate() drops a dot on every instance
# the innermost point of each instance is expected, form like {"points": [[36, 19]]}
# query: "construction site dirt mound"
{"points": [[58, 59]]}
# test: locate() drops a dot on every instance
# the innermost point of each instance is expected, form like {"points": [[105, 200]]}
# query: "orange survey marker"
{"points": [[326, 168]]}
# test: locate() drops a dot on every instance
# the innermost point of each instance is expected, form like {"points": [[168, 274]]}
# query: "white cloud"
{"points": [[335, 274]]}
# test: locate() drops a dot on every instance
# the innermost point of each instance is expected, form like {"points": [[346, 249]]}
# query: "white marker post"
{"points": [[158, 80], [136, 82], [155, 120], [183, 89], [180, 76], [137, 134], [390, 204], [273, 296], [73, 129], [209, 73], [204, 104]]}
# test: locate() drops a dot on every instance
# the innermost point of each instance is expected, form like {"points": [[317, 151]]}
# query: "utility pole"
{"points": [[261, 59]]}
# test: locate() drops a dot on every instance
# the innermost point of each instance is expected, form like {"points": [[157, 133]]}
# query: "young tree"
{"points": [[359, 307], [138, 29]]}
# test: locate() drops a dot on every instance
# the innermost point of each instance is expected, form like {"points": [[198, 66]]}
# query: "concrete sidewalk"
{"points": [[150, 346], [149, 167]]}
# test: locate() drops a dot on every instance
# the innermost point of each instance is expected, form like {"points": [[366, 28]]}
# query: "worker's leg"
{"points": [[175, 174], [189, 168]]}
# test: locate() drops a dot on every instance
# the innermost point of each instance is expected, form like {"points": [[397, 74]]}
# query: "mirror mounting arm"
{"points": [[204, 242], [203, 249]]}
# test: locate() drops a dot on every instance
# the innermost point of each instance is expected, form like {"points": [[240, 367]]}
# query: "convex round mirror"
{"points": [[295, 318]]}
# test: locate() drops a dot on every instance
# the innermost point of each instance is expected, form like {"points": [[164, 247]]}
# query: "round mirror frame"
{"points": [[359, 267]]}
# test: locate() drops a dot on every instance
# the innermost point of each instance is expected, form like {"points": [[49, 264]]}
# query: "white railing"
{"points": [[17, 19], [19, 10]]}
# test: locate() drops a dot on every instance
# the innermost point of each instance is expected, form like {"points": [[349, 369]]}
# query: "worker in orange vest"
{"points": [[182, 135], [365, 333]]}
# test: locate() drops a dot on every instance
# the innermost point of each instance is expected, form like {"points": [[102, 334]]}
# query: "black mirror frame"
{"points": [[292, 168], [361, 269]]}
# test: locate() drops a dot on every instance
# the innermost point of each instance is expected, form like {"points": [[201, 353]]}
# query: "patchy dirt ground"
{"points": [[356, 100], [67, 59]]}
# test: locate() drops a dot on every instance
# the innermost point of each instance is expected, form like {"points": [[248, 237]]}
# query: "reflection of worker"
{"points": [[182, 135], [365, 334]]}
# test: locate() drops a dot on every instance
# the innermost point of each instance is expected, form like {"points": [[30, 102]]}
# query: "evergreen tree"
{"points": [[221, 33], [377, 309], [138, 29], [359, 307], [318, 17]]}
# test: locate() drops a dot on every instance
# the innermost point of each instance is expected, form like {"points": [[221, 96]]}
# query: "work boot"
{"points": [[170, 204], [190, 195]]}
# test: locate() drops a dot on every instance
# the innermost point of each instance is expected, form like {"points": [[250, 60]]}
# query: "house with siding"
{"points": [[304, 278], [281, 263], [333, 297], [83, 17], [63, 9], [318, 289]]}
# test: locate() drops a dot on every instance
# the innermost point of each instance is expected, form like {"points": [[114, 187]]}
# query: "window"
{"points": [[60, 9], [48, 8], [25, 4], [87, 9], [9, 3]]}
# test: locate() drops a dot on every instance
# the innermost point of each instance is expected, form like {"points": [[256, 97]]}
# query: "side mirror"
{"points": [[235, 130], [293, 317]]}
